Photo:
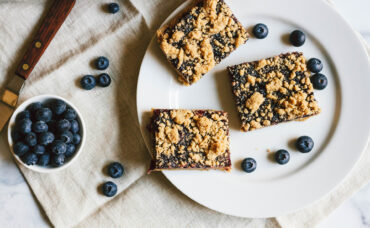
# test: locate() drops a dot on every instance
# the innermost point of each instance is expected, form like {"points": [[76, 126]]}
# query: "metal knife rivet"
{"points": [[25, 66], [38, 44]]}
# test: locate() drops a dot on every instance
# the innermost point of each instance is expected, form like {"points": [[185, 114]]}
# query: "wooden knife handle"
{"points": [[49, 27]]}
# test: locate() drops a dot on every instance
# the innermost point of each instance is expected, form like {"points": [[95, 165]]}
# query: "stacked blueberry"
{"points": [[46, 134], [88, 82]]}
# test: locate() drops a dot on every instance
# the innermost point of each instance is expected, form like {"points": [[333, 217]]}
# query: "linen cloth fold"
{"points": [[71, 197]]}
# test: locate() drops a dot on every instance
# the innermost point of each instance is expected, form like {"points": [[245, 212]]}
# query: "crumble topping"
{"points": [[273, 90], [191, 139], [200, 37]]}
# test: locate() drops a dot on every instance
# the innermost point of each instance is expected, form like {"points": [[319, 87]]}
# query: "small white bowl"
{"points": [[43, 99]]}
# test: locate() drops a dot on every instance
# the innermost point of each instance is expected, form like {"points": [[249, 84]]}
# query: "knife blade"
{"points": [[53, 20], [9, 99]]}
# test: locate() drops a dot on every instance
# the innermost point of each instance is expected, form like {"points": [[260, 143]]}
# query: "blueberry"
{"points": [[282, 157], [46, 138], [104, 80], [30, 159], [63, 125], [101, 63], [23, 115], [249, 165], [314, 65], [58, 147], [75, 127], [33, 107], [113, 7], [109, 188], [44, 160], [58, 106], [115, 170], [58, 160], [297, 38], [319, 81], [76, 139], [30, 139], [40, 126], [88, 82], [66, 137], [24, 126], [38, 149], [70, 114], [16, 136], [20, 148], [304, 144], [71, 149], [43, 114], [260, 31], [52, 125]]}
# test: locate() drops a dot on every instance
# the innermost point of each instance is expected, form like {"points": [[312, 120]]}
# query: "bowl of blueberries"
{"points": [[46, 133]]}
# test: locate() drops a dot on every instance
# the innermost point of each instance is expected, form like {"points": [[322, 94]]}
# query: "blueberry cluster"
{"points": [[46, 134], [303, 144], [89, 82], [115, 170]]}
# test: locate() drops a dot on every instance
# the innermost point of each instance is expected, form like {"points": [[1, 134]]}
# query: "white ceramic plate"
{"points": [[340, 132]]}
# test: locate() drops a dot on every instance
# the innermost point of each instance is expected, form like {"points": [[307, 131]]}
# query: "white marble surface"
{"points": [[19, 209]]}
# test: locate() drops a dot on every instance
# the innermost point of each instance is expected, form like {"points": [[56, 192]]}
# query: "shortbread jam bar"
{"points": [[273, 90], [190, 139], [200, 37]]}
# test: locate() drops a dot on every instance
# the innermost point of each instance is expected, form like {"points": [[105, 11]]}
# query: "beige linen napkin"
{"points": [[71, 197]]}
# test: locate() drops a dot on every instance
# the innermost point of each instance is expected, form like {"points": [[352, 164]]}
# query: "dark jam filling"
{"points": [[185, 140]]}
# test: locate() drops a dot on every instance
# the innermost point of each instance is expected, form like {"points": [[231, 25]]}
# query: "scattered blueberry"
{"points": [[76, 139], [29, 158], [260, 31], [63, 125], [40, 126], [70, 114], [20, 148], [113, 7], [109, 188], [58, 147], [74, 126], [71, 148], [88, 82], [282, 157], [101, 63], [16, 135], [33, 107], [249, 165], [43, 114], [30, 139], [24, 126], [38, 149], [58, 160], [46, 138], [304, 144], [23, 115], [314, 65], [115, 170], [58, 106], [44, 160], [104, 80], [319, 81], [297, 38], [66, 136]]}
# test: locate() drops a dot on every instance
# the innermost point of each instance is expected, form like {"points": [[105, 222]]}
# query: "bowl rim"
{"points": [[40, 98]]}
